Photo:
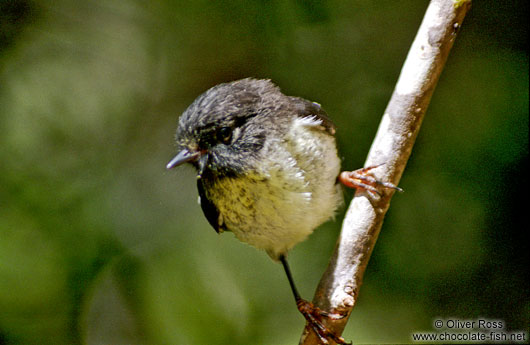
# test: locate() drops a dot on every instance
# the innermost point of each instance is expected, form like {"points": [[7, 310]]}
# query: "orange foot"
{"points": [[361, 179], [314, 315]]}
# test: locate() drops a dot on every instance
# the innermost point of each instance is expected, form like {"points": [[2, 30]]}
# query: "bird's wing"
{"points": [[304, 108], [209, 209]]}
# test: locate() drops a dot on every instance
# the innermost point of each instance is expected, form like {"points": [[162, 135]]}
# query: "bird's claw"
{"points": [[313, 316], [363, 180]]}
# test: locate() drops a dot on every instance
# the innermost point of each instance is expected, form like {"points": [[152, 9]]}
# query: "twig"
{"points": [[339, 287]]}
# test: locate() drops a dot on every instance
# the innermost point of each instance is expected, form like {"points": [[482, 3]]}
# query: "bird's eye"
{"points": [[224, 135]]}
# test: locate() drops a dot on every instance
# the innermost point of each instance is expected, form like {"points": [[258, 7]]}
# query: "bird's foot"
{"points": [[363, 180], [314, 316]]}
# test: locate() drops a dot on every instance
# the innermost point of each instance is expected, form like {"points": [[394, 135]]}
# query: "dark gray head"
{"points": [[224, 129]]}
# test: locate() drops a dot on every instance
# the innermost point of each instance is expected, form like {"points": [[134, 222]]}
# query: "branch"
{"points": [[339, 287]]}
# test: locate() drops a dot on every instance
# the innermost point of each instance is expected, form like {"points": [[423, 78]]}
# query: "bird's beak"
{"points": [[182, 157]]}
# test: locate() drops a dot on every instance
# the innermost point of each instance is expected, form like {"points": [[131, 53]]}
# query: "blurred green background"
{"points": [[99, 244]]}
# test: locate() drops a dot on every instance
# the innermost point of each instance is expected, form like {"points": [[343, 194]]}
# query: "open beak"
{"points": [[182, 157]]}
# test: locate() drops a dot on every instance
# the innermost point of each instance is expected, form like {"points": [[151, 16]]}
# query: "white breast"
{"points": [[294, 192]]}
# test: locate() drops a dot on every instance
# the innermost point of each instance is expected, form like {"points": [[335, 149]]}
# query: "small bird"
{"points": [[267, 170]]}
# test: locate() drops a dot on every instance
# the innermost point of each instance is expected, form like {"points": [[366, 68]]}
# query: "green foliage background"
{"points": [[99, 244]]}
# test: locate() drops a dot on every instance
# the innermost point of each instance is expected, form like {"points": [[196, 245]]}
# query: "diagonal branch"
{"points": [[339, 287]]}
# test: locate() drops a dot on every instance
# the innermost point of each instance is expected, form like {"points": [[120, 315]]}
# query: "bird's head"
{"points": [[224, 129]]}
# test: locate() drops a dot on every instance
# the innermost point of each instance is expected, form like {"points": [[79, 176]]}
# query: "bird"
{"points": [[268, 170]]}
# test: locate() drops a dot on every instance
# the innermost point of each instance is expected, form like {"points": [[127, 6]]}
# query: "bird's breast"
{"points": [[286, 196]]}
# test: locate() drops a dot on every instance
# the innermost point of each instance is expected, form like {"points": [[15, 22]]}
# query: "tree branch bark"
{"points": [[338, 289]]}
